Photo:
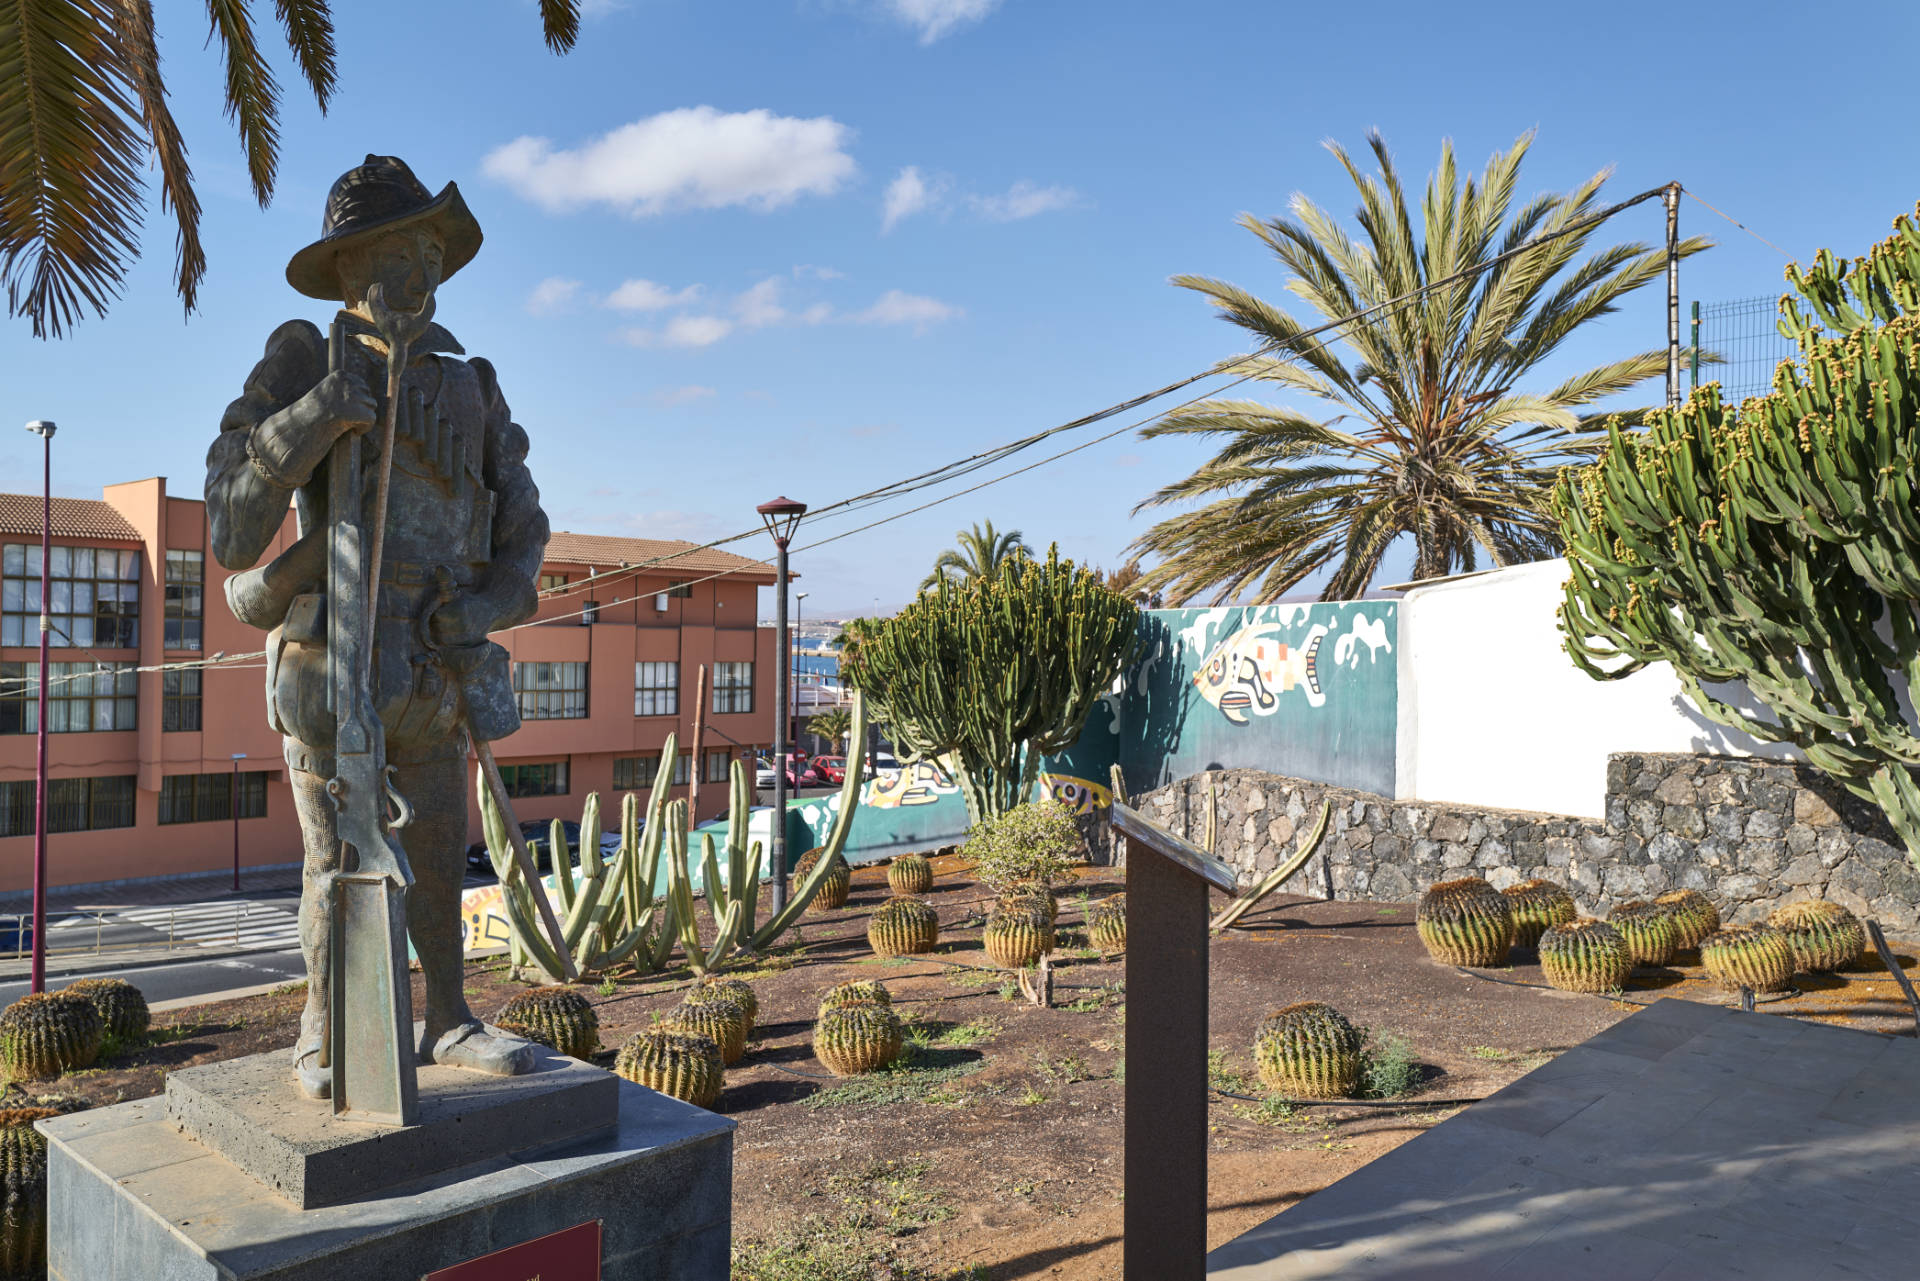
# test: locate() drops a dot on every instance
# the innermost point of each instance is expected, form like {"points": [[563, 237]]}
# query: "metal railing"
{"points": [[16, 932]]}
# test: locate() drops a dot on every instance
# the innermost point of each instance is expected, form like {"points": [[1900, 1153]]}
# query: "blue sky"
{"points": [[808, 246]]}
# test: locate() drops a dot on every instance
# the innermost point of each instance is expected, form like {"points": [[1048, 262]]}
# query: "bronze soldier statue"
{"points": [[464, 539]]}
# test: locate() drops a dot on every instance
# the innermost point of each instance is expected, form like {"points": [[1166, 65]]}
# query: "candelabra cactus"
{"points": [[719, 1016], [860, 991], [1823, 936], [1694, 916], [1310, 1051], [857, 1037], [1585, 956], [910, 874], [903, 927], [23, 1192], [686, 1067], [1538, 905], [1465, 922], [122, 1007], [560, 1018], [1755, 956], [1018, 934], [834, 887], [710, 988], [1107, 924], [47, 1033], [1651, 932]]}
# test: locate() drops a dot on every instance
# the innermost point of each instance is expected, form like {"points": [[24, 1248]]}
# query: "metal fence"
{"points": [[1745, 334]]}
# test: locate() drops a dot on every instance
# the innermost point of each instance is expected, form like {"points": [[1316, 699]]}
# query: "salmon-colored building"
{"points": [[143, 762]]}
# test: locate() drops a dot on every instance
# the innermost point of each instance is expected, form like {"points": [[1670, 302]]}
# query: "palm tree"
{"points": [[980, 552], [83, 109], [1430, 435], [834, 726]]}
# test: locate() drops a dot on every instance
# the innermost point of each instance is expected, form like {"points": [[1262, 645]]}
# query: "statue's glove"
{"points": [[286, 448], [464, 621]]}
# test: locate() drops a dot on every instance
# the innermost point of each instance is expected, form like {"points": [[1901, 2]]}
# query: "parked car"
{"points": [[538, 834], [830, 769], [763, 773]]}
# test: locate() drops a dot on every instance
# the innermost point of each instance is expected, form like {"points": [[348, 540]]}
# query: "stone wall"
{"points": [[1751, 833]]}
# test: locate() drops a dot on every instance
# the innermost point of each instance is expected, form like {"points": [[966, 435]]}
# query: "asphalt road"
{"points": [[189, 976]]}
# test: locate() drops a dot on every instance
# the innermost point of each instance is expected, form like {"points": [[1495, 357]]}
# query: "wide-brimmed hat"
{"points": [[372, 199]]}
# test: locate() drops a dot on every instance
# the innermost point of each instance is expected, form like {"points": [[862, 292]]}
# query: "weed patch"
{"points": [[1388, 1067], [908, 1079]]}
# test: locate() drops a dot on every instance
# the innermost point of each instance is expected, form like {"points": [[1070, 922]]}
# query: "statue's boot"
{"points": [[479, 1048], [315, 1082]]}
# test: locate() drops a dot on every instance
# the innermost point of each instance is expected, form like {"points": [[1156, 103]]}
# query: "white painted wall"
{"points": [[1493, 713]]}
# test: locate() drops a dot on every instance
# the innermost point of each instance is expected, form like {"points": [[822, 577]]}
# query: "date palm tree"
{"points": [[83, 109], [833, 726], [980, 552], [1431, 433]]}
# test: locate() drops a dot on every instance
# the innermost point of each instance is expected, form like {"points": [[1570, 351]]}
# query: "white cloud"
{"points": [[668, 397], [1025, 199], [760, 305], [645, 295], [551, 295], [1127, 460], [936, 18], [808, 271], [897, 308], [818, 314], [681, 331], [907, 194], [688, 158]]}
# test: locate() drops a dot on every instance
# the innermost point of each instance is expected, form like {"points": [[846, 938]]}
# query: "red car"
{"points": [[830, 769]]}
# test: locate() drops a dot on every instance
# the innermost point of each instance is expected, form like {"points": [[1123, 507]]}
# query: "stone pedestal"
{"points": [[210, 1182]]}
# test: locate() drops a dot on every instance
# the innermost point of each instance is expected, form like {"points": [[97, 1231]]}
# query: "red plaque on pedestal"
{"points": [[571, 1254]]}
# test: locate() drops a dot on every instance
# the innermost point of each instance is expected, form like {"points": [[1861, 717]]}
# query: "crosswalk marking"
{"points": [[221, 924]]}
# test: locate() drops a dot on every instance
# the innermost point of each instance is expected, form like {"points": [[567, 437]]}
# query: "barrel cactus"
{"points": [[123, 1009], [1651, 932], [1017, 935], [1465, 922], [1537, 906], [1310, 1051], [1585, 956], [23, 1184], [910, 874], [1755, 956], [1694, 915], [47, 1033], [857, 1037], [859, 991], [1824, 936], [559, 1017], [720, 1017], [740, 990], [1107, 924], [833, 891], [903, 926], [1038, 895], [686, 1067]]}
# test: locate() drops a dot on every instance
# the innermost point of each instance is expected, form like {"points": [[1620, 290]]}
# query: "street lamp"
{"points": [[782, 517], [235, 806], [44, 430]]}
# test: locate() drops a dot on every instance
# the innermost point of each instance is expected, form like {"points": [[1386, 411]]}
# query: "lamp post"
{"points": [[235, 805], [793, 659], [782, 517], [44, 430]]}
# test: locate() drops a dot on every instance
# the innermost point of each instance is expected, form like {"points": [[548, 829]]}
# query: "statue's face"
{"points": [[405, 264]]}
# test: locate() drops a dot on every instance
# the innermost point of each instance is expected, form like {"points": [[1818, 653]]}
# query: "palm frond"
{"points": [[133, 21], [309, 25], [560, 22], [252, 94]]}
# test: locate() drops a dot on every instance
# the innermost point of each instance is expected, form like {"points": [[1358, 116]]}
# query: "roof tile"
{"points": [[602, 551], [72, 518]]}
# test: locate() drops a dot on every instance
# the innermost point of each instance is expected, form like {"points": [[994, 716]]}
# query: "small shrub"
{"points": [[1036, 843], [1388, 1066]]}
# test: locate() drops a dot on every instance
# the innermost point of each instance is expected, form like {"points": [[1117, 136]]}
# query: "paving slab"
{"points": [[1687, 1141]]}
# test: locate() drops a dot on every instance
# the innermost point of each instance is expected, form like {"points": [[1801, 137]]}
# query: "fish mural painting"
{"points": [[1248, 672]]}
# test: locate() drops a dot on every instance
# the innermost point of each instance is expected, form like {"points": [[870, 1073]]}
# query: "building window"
{"points": [[551, 691], [717, 763], [549, 582], [73, 805], [656, 689], [590, 613], [95, 597], [549, 779], [186, 574], [732, 687], [208, 798], [680, 769], [180, 701], [683, 588], [80, 697], [631, 773]]}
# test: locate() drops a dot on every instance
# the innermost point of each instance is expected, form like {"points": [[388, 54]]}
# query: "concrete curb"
{"points": [[210, 998]]}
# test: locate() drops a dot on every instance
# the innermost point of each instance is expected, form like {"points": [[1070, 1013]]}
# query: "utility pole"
{"points": [[1672, 200], [793, 658], [235, 802], [782, 517], [44, 430]]}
